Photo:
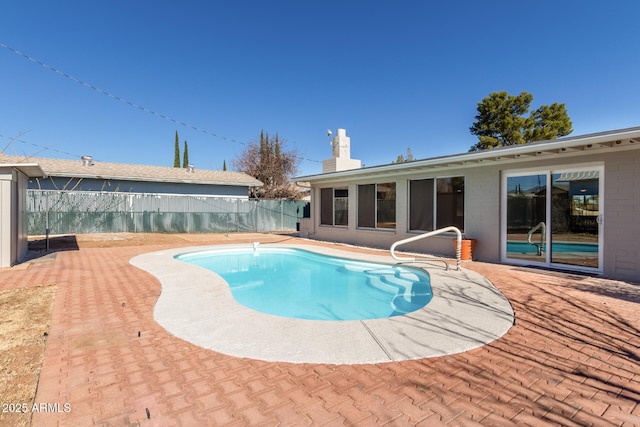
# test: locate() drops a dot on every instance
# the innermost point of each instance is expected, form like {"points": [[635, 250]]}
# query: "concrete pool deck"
{"points": [[466, 312], [571, 358]]}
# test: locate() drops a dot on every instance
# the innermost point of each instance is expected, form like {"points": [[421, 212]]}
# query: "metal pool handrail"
{"points": [[429, 234], [543, 236]]}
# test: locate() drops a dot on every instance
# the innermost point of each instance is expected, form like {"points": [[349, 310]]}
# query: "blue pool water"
{"points": [[305, 285], [557, 247]]}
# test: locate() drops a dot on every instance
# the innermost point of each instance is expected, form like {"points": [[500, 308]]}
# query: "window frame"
{"points": [[346, 206], [457, 203], [368, 206], [434, 214], [324, 212], [430, 216]]}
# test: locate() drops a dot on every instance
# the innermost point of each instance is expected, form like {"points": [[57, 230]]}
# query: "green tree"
{"points": [[176, 156], [185, 155], [224, 165], [502, 121], [272, 164]]}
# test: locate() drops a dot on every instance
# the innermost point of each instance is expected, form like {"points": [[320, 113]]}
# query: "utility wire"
{"points": [[117, 98], [125, 101], [43, 148]]}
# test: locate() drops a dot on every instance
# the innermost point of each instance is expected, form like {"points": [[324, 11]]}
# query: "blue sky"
{"points": [[396, 75]]}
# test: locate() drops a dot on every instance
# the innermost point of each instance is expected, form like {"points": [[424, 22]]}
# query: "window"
{"points": [[421, 205], [436, 203], [326, 206], [377, 205], [386, 206], [367, 206], [341, 206], [334, 206], [450, 202]]}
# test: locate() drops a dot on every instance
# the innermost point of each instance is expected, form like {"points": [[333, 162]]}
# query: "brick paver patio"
{"points": [[573, 359]]}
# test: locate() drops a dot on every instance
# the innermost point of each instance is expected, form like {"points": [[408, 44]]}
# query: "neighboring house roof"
{"points": [[623, 139], [129, 172], [31, 170]]}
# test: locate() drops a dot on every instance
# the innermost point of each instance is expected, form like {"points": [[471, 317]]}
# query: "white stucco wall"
{"points": [[622, 216], [482, 211]]}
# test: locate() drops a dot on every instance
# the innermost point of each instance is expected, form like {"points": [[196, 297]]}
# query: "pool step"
{"points": [[251, 284], [409, 290], [367, 269], [378, 283], [400, 305], [409, 297]]}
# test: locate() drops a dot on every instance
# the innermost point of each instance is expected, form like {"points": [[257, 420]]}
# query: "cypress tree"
{"points": [[176, 157], [185, 155], [262, 158], [277, 148], [277, 160], [224, 165], [267, 166]]}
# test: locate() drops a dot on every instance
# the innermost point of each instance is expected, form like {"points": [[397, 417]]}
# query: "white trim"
{"points": [[375, 207], [434, 202]]}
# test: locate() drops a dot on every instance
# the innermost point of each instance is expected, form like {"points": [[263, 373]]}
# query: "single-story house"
{"points": [[571, 204], [87, 196], [89, 175]]}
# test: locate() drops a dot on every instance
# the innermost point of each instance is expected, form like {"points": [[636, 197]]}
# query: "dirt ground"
{"points": [[25, 314], [24, 325]]}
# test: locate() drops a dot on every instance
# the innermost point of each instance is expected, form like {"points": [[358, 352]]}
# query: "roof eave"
{"points": [[164, 180], [31, 170], [624, 137]]}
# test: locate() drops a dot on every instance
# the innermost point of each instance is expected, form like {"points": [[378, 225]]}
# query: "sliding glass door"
{"points": [[526, 217], [575, 218], [553, 218]]}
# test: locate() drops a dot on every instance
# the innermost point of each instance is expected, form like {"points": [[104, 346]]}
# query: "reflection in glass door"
{"points": [[553, 218], [526, 217], [575, 212]]}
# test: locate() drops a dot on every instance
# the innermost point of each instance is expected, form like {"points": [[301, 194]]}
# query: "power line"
{"points": [[125, 101], [43, 148], [117, 98]]}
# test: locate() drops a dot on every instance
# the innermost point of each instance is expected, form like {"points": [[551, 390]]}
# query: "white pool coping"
{"points": [[196, 305]]}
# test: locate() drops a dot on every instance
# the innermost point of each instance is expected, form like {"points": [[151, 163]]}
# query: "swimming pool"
{"points": [[196, 305], [303, 285]]}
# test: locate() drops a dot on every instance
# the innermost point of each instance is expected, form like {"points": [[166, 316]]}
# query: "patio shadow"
{"points": [[38, 248]]}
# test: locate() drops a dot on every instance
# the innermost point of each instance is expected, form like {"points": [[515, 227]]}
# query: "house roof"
{"points": [[131, 172], [623, 139]]}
